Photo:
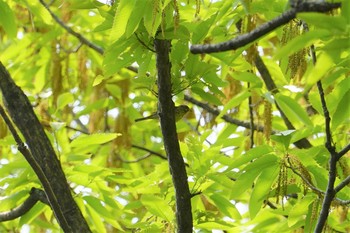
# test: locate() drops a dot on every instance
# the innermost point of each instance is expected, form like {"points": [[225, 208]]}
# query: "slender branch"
{"points": [[343, 151], [271, 86], [35, 195], [342, 184], [143, 43], [171, 144], [251, 119], [265, 28], [329, 140], [136, 160], [315, 189], [150, 151], [302, 143], [330, 191], [225, 117], [80, 37], [305, 180]]}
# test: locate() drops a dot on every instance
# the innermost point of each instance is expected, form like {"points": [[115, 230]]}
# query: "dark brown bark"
{"points": [[42, 157], [171, 144]]}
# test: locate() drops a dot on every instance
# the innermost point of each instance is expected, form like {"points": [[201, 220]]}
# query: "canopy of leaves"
{"points": [[87, 97]]}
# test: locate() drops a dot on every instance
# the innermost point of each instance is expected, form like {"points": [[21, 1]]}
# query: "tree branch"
{"points": [[35, 195], [271, 86], [42, 157], [342, 184], [314, 188], [150, 151], [343, 151], [80, 37], [330, 191], [171, 143], [225, 117], [265, 28], [251, 119]]}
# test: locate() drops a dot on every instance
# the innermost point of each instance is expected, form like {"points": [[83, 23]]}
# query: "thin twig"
{"points": [[136, 160], [251, 119], [342, 184], [343, 151], [80, 37], [225, 117], [313, 188], [143, 43], [305, 180], [330, 191], [150, 151]]}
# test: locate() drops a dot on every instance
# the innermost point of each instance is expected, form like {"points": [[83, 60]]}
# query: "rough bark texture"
{"points": [[42, 158], [171, 144]]}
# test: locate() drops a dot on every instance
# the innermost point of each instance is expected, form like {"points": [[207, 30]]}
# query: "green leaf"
{"points": [[152, 21], [121, 18], [300, 42], [221, 179], [7, 19], [94, 139], [215, 226], [158, 207], [293, 110], [345, 10], [63, 100], [97, 206], [261, 189], [102, 211], [39, 10], [98, 80], [32, 214], [328, 22], [235, 101], [339, 50], [251, 172], [87, 4], [101, 103], [323, 65], [97, 221], [135, 17], [206, 96], [202, 29], [225, 206], [283, 137], [342, 112], [246, 77], [300, 209], [12, 200], [252, 154], [118, 56]]}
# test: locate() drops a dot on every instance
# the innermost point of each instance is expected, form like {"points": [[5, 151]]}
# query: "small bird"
{"points": [[180, 111]]}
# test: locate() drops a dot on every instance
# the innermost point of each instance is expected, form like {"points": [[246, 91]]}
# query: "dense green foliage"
{"points": [[243, 180]]}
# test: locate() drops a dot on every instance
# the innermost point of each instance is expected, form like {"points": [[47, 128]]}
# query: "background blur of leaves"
{"points": [[87, 103]]}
